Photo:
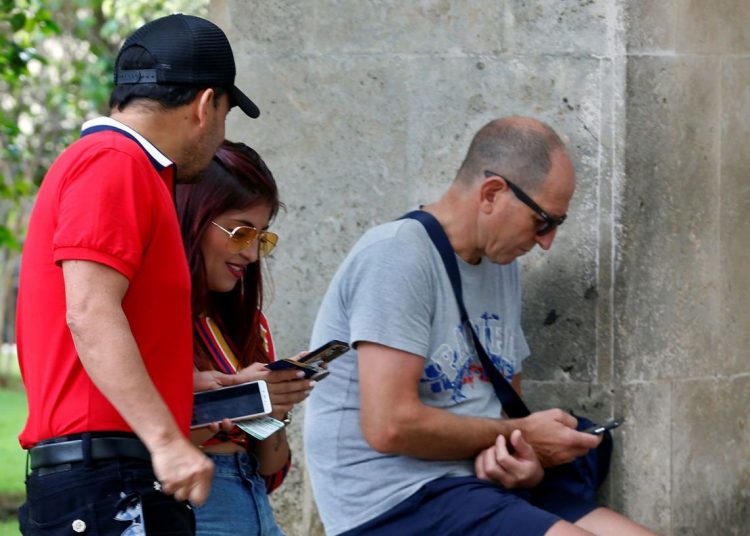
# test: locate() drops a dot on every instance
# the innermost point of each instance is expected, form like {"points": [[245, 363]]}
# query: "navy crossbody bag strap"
{"points": [[513, 406]]}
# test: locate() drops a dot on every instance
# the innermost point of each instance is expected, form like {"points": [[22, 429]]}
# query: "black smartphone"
{"points": [[599, 429], [311, 363], [326, 353], [235, 402]]}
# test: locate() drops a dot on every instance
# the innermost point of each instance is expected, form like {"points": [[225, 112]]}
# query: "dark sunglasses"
{"points": [[549, 224], [243, 236]]}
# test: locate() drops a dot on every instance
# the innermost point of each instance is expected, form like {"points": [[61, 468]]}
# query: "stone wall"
{"points": [[682, 278], [639, 309]]}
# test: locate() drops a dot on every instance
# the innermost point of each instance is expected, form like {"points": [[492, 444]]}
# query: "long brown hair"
{"points": [[236, 179]]}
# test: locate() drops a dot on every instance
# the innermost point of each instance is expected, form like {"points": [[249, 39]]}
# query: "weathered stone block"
{"points": [[687, 27], [734, 264], [592, 401], [668, 249], [710, 452], [274, 28], [650, 25], [640, 478], [577, 27], [393, 27], [718, 27]]}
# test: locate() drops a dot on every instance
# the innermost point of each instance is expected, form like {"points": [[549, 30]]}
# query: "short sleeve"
{"points": [[104, 211], [389, 293]]}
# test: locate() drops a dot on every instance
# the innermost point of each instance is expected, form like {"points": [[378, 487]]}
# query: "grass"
{"points": [[12, 457], [9, 527]]}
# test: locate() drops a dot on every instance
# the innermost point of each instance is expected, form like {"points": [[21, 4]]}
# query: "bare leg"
{"points": [[563, 528], [608, 522]]}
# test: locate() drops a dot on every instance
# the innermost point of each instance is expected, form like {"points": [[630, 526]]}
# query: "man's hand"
{"points": [[521, 469], [183, 471], [553, 436]]}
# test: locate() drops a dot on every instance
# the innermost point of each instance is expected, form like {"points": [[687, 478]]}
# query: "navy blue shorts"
{"points": [[470, 506]]}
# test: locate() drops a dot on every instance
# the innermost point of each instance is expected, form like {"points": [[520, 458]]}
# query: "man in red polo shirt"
{"points": [[104, 324]]}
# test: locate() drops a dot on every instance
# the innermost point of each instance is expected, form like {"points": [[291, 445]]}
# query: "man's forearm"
{"points": [[112, 360], [436, 434], [395, 420], [422, 431]]}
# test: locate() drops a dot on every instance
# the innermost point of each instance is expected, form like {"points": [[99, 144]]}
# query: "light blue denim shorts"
{"points": [[238, 504]]}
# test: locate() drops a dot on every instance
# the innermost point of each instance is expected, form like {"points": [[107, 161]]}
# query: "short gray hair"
{"points": [[518, 148]]}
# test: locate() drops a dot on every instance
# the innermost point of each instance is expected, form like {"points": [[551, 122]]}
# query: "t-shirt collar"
{"points": [[158, 159]]}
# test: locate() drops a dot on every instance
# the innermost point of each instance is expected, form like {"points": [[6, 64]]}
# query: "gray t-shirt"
{"points": [[392, 289]]}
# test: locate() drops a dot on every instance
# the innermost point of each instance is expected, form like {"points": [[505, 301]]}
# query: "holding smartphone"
{"points": [[599, 429], [311, 364], [236, 402]]}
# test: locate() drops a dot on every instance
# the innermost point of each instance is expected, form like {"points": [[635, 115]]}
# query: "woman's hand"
{"points": [[299, 356], [286, 387], [521, 469], [206, 380], [252, 372], [198, 436]]}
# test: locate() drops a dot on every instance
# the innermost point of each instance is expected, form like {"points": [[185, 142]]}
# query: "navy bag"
{"points": [[583, 476]]}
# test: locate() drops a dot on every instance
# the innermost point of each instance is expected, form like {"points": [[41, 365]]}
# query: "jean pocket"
{"points": [[82, 521]]}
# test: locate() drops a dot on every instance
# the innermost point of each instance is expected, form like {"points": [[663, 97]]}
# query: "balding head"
{"points": [[519, 148]]}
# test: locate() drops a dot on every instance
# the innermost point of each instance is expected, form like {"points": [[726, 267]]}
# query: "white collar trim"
{"points": [[155, 153]]}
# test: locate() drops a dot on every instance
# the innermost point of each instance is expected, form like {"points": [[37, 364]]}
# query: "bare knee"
{"points": [[609, 522], [563, 528]]}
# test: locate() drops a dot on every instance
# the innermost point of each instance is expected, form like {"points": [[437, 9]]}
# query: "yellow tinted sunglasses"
{"points": [[242, 237]]}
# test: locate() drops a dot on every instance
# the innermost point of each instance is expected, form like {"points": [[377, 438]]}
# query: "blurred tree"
{"points": [[56, 61]]}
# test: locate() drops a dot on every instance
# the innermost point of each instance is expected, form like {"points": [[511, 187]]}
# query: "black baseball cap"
{"points": [[188, 51]]}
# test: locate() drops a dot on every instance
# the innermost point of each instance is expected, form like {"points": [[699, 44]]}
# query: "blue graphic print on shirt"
{"points": [[450, 368]]}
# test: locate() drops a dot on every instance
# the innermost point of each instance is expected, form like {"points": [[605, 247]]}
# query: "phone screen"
{"points": [[328, 352], [311, 363], [233, 402]]}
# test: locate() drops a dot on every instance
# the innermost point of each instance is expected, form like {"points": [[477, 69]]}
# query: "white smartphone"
{"points": [[236, 402]]}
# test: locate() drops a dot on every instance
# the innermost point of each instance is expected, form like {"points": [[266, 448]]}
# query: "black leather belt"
{"points": [[72, 451]]}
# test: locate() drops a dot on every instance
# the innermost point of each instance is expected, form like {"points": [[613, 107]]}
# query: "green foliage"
{"points": [[56, 60]]}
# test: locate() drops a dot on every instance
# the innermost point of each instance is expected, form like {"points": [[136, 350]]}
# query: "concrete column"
{"points": [[640, 307]]}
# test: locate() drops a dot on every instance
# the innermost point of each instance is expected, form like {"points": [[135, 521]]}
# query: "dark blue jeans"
{"points": [[103, 497]]}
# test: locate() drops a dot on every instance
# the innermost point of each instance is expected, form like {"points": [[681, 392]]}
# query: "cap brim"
{"points": [[245, 104]]}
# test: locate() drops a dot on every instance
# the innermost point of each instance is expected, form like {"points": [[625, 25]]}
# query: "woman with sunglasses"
{"points": [[224, 220]]}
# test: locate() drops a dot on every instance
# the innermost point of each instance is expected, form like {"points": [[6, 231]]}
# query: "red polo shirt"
{"points": [[106, 199]]}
